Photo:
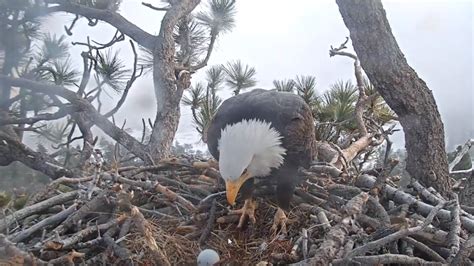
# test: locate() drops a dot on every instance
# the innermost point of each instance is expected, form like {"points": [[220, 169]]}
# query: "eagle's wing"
{"points": [[287, 112], [299, 138]]}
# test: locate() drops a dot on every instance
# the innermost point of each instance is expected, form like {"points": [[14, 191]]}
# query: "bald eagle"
{"points": [[262, 134]]}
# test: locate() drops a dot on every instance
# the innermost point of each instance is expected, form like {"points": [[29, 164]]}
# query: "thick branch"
{"points": [[52, 220], [460, 154], [463, 254], [119, 135], [36, 208], [167, 93], [387, 259], [425, 249], [39, 87], [12, 251], [395, 236], [62, 112], [13, 150], [116, 20], [400, 197], [455, 228]]}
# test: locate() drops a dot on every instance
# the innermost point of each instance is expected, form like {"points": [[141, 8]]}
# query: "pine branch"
{"points": [[119, 135], [62, 112], [116, 20]]}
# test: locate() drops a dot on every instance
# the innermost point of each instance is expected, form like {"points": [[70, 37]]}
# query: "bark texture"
{"points": [[169, 87], [12, 149], [402, 89], [466, 195], [88, 113]]}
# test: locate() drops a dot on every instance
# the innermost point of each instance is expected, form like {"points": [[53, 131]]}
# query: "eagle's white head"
{"points": [[249, 148]]}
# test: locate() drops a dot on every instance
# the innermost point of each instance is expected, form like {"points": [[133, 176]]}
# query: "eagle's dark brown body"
{"points": [[289, 115]]}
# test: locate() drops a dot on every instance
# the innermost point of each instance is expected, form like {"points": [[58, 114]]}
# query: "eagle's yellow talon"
{"points": [[279, 221], [248, 210]]}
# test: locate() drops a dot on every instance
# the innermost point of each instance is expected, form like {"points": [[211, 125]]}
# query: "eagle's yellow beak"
{"points": [[233, 187]]}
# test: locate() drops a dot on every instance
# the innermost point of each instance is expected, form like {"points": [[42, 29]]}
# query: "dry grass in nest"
{"points": [[177, 249], [250, 245], [256, 242]]}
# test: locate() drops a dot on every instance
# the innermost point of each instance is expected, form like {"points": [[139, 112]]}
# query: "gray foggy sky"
{"points": [[282, 39]]}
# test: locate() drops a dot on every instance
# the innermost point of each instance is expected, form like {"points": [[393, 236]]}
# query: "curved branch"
{"points": [[82, 105], [116, 20], [62, 112], [14, 150], [208, 55], [39, 87], [363, 100], [460, 154], [155, 8], [129, 83]]}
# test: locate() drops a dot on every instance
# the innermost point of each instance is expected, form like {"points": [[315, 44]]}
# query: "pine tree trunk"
{"points": [[402, 89], [164, 130], [167, 99], [168, 88]]}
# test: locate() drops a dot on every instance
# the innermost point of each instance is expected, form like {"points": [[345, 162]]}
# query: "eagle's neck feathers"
{"points": [[251, 144]]}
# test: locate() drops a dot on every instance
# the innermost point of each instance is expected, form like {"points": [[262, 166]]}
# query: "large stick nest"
{"points": [[168, 213]]}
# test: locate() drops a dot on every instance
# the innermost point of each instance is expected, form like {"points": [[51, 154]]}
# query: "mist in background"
{"points": [[282, 39]]}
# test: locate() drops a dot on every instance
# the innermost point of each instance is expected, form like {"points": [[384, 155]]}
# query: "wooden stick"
{"points": [[461, 153], [36, 208], [401, 197], [425, 249], [387, 259], [55, 219], [144, 227], [67, 259], [454, 229], [333, 241], [462, 258], [395, 236], [210, 223], [75, 238], [13, 252], [172, 196]]}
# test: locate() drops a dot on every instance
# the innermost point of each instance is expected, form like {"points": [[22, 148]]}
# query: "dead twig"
{"points": [[210, 223], [50, 221]]}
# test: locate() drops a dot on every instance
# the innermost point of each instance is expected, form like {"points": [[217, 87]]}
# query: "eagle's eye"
{"points": [[244, 172]]}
